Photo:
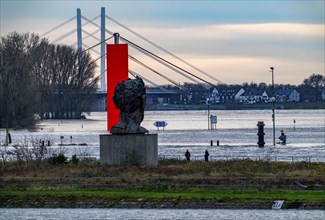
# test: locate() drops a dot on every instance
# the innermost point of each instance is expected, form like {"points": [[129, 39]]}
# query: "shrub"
{"points": [[58, 159], [75, 160]]}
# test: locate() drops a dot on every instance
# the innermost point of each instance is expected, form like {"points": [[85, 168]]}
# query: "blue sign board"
{"points": [[160, 124]]}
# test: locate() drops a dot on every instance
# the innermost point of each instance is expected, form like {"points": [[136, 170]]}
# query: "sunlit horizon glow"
{"points": [[235, 47]]}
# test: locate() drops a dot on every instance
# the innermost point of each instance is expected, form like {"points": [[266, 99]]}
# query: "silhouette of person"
{"points": [[283, 138], [188, 155], [206, 156]]}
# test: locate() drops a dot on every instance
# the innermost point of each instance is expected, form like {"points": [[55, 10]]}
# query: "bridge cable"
{"points": [[156, 72], [73, 31], [166, 51], [64, 36], [60, 25], [139, 62], [96, 59], [93, 23], [92, 33], [102, 73], [98, 44], [148, 52], [134, 74], [151, 56], [95, 51], [89, 48], [170, 67]]}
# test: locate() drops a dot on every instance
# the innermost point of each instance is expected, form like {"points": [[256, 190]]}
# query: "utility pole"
{"points": [[7, 129], [273, 103], [208, 115]]}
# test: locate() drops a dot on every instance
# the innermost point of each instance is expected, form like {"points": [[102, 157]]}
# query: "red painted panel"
{"points": [[117, 71]]}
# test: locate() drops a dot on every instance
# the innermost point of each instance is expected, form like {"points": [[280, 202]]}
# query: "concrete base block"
{"points": [[129, 149]]}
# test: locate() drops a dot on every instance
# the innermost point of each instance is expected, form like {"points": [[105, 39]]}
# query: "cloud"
{"points": [[230, 47], [235, 69], [295, 41], [233, 53]]}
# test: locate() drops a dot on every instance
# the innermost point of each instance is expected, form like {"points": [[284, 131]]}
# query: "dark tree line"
{"points": [[312, 87], [40, 78]]}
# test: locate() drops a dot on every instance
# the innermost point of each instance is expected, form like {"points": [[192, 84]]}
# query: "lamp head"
{"points": [[272, 68]]}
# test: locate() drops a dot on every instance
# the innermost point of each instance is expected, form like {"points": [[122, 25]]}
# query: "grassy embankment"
{"points": [[172, 184]]}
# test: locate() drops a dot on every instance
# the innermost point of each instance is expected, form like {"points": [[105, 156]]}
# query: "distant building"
{"points": [[287, 95], [213, 97], [227, 95], [240, 95], [251, 97]]}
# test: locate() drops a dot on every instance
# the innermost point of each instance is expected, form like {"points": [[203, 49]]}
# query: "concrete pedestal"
{"points": [[129, 149]]}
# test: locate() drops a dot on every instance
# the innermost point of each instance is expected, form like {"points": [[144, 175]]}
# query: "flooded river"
{"points": [[236, 132]]}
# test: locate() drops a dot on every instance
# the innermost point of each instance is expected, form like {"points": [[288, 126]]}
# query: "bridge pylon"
{"points": [[102, 51]]}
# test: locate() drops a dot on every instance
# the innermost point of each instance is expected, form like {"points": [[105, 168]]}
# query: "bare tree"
{"points": [[19, 92], [38, 77], [67, 85]]}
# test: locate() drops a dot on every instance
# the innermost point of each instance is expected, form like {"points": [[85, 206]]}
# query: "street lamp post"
{"points": [[273, 103], [208, 115]]}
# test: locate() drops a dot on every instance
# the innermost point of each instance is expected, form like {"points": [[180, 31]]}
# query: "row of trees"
{"points": [[36, 77]]}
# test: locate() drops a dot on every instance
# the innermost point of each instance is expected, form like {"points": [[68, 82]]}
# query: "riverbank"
{"points": [[141, 198], [172, 184]]}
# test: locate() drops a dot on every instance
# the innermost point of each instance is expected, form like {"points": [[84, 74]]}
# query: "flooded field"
{"points": [[236, 132]]}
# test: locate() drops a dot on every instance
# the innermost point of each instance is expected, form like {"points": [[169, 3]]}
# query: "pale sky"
{"points": [[235, 41]]}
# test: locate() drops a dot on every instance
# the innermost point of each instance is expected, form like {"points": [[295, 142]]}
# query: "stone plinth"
{"points": [[129, 149]]}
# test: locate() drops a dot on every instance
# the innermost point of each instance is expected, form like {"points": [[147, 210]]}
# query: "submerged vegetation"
{"points": [[173, 183]]}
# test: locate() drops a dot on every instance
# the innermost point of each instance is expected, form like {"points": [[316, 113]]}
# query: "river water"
{"points": [[236, 132], [173, 214]]}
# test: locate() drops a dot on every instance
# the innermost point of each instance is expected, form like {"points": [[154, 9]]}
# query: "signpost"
{"points": [[159, 124], [277, 204], [213, 121]]}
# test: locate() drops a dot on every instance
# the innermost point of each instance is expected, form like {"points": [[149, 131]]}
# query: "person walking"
{"points": [[188, 155], [206, 156]]}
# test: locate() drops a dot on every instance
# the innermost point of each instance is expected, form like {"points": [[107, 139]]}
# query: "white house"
{"points": [[227, 95], [240, 95], [251, 97], [213, 97], [287, 95]]}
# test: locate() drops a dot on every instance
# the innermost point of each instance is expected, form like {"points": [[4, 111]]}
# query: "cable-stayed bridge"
{"points": [[92, 35]]}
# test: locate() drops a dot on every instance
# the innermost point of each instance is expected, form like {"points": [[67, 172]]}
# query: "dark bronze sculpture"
{"points": [[130, 98]]}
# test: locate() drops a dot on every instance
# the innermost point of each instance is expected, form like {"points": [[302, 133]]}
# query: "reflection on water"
{"points": [[173, 214], [236, 132]]}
